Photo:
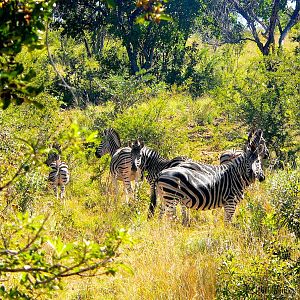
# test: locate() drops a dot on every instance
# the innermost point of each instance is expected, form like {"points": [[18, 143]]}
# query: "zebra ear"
{"points": [[250, 134], [142, 144], [255, 142], [57, 146]]}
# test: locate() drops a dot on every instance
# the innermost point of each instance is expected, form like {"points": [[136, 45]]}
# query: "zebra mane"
{"points": [[114, 133]]}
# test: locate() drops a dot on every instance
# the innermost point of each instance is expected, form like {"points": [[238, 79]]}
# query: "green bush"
{"points": [[160, 122], [266, 95], [269, 276], [285, 197]]}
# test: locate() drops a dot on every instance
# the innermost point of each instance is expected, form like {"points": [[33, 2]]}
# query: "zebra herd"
{"points": [[179, 180]]}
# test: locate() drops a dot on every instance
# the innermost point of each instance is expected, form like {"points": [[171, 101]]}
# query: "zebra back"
{"points": [[59, 174]]}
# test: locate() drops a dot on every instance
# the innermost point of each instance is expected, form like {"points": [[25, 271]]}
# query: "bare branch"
{"points": [[18, 173], [55, 69]]}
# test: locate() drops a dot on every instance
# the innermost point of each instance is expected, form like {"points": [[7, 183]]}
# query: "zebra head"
{"points": [[253, 156], [52, 157], [263, 150], [109, 144], [136, 154]]}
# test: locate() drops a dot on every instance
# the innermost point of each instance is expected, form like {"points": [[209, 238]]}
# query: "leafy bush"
{"points": [[159, 122], [268, 276], [266, 96], [33, 264], [285, 197], [201, 73]]}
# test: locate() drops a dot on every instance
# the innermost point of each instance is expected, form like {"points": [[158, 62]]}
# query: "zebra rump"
{"points": [[59, 174]]}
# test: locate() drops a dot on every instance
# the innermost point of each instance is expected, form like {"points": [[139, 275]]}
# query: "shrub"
{"points": [[269, 276], [285, 198]]}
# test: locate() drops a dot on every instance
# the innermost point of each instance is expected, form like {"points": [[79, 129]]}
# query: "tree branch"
{"points": [[55, 69], [294, 19], [251, 23]]}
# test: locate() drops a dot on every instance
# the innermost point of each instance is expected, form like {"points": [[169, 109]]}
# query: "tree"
{"points": [[139, 25], [263, 19]]}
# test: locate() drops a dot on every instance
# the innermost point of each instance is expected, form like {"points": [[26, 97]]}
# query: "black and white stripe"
{"points": [[59, 175], [150, 161], [229, 155], [120, 165], [202, 186]]}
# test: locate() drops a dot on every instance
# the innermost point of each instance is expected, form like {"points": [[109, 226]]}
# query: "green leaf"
{"points": [[111, 3], [38, 104], [166, 17]]}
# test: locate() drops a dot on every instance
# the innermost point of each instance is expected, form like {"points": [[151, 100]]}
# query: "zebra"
{"points": [[120, 165], [202, 186], [59, 174], [149, 160], [229, 155]]}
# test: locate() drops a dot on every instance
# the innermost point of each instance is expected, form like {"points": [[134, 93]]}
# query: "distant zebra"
{"points": [[59, 174], [229, 155], [202, 186], [120, 165], [148, 160]]}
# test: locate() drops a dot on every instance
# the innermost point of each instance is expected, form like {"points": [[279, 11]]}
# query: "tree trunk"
{"points": [[132, 55]]}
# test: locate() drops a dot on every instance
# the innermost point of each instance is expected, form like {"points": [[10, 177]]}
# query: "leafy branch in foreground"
{"points": [[32, 264], [21, 24]]}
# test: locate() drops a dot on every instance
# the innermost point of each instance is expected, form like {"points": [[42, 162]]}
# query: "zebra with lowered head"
{"points": [[150, 161], [59, 175], [202, 186], [120, 165]]}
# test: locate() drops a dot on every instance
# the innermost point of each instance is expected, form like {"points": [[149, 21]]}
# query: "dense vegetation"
{"points": [[187, 86]]}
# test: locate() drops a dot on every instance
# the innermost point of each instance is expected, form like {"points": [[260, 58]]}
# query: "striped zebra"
{"points": [[229, 155], [120, 165], [59, 175], [202, 186], [149, 160]]}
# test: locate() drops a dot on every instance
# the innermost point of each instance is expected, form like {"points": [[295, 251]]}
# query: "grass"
{"points": [[168, 261]]}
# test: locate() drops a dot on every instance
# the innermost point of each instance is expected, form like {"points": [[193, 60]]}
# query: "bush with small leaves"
{"points": [[33, 264], [285, 197]]}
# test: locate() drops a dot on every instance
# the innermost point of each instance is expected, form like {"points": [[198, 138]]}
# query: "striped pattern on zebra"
{"points": [[59, 175], [229, 155], [149, 160], [120, 165], [202, 186]]}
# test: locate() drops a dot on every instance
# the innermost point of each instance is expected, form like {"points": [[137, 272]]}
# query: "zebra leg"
{"points": [[136, 185], [185, 212], [127, 189], [153, 201], [62, 192], [229, 209], [170, 209], [162, 210], [55, 189]]}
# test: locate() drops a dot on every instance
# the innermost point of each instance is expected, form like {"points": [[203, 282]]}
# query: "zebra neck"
{"points": [[238, 176], [113, 147], [153, 161]]}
